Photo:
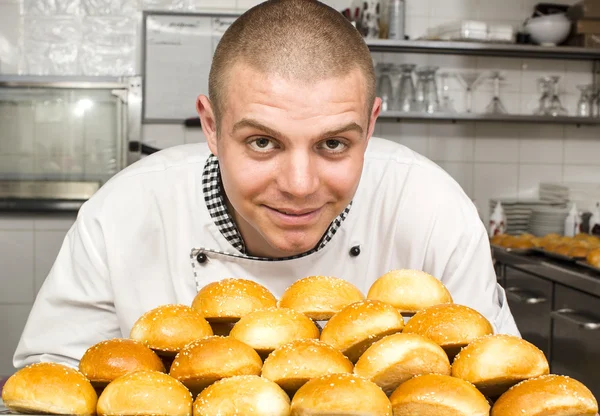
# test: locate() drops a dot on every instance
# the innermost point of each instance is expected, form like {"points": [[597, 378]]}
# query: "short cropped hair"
{"points": [[303, 40]]}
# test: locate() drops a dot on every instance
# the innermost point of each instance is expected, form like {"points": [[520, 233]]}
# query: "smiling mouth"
{"points": [[295, 213]]}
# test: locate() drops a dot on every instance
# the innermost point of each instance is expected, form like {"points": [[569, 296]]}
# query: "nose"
{"points": [[299, 174]]}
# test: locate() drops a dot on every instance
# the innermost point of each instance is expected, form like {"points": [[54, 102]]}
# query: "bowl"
{"points": [[550, 30]]}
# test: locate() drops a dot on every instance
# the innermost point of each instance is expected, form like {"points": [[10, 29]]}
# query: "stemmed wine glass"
{"points": [[469, 81]]}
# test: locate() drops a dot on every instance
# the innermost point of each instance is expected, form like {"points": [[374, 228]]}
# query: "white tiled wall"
{"points": [[28, 246], [486, 159]]}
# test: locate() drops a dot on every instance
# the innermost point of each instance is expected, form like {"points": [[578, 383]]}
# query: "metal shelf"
{"points": [[483, 49], [477, 117]]}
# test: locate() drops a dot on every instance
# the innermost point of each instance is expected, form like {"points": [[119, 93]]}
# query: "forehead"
{"points": [[251, 90]]}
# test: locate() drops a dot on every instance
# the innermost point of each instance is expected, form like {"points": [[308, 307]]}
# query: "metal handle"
{"points": [[520, 295], [577, 318]]}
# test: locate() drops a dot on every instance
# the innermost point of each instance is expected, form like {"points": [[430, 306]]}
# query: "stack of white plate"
{"points": [[518, 212], [547, 220], [585, 195]]}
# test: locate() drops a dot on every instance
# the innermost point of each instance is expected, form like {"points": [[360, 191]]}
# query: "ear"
{"points": [[373, 116], [208, 122]]}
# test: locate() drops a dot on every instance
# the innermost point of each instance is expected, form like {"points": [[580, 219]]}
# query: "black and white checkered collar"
{"points": [[213, 196]]}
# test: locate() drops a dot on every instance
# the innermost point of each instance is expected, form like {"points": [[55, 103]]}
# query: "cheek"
{"points": [[342, 178], [244, 179]]}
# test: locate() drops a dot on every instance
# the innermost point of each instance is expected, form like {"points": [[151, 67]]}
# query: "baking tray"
{"points": [[514, 250], [557, 256], [585, 264]]}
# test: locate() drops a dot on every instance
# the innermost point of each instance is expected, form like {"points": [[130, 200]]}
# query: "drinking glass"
{"points": [[585, 105], [385, 89], [496, 106], [447, 105], [544, 85], [426, 100], [469, 81], [405, 98], [556, 109]]}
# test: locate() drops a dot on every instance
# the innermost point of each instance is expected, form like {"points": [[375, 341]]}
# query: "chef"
{"points": [[290, 184]]}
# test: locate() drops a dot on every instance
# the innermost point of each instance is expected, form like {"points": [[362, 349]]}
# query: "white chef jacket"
{"points": [[134, 247]]}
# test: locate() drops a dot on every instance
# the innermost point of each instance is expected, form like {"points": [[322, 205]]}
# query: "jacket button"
{"points": [[201, 258], [355, 251]]}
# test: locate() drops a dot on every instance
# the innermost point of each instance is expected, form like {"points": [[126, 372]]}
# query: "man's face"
{"points": [[291, 155]]}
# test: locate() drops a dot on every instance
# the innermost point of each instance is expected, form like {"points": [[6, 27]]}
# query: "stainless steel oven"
{"points": [[61, 138], [576, 336], [530, 300]]}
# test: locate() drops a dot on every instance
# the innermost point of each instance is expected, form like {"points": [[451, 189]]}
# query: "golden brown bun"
{"points": [[205, 361], [145, 393], [356, 327], [409, 290], [578, 251], [508, 241], [438, 395], [34, 389], [581, 237], [522, 244], [527, 236], [230, 299], [552, 236], [168, 328], [451, 326], [549, 395], [497, 239], [293, 364], [593, 258], [320, 297], [107, 360], [340, 394], [537, 242], [397, 358], [562, 249], [269, 329], [242, 395], [496, 362]]}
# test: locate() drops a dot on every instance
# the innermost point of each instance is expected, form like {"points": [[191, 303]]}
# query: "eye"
{"points": [[262, 144], [334, 146]]}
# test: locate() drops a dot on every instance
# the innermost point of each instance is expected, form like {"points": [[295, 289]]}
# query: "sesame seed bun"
{"points": [[495, 363], [49, 388], [145, 393], [451, 326], [107, 360], [438, 395], [320, 297], [409, 291], [268, 329], [547, 395], [230, 299], [205, 361], [356, 327], [243, 395], [168, 328], [397, 358], [293, 364], [340, 394]]}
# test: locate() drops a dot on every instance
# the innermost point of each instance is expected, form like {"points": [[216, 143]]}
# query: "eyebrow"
{"points": [[247, 122]]}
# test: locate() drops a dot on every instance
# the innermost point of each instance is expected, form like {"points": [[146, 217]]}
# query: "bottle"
{"points": [[595, 221], [573, 222], [497, 221], [396, 19]]}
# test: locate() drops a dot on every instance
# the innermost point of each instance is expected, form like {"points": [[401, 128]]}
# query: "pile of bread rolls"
{"points": [[582, 246], [323, 348]]}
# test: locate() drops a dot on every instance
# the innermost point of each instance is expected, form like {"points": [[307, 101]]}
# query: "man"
{"points": [[290, 184]]}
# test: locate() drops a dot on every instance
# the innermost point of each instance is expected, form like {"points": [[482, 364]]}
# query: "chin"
{"points": [[289, 247]]}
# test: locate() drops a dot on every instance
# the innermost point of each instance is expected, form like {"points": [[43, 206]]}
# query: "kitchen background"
{"points": [[487, 159]]}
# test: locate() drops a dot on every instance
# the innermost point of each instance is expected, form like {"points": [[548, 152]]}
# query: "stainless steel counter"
{"points": [[566, 273]]}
